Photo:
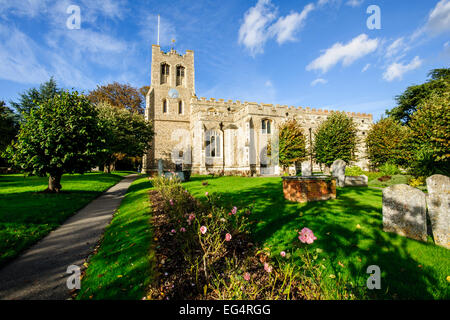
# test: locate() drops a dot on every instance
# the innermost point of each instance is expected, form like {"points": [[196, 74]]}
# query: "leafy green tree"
{"points": [[8, 128], [61, 135], [118, 95], [335, 138], [408, 101], [127, 134], [31, 98], [385, 141], [428, 145], [292, 143]]}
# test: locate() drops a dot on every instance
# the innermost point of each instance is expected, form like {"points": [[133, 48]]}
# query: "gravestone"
{"points": [[404, 211], [160, 167], [338, 171], [438, 203], [356, 181], [306, 169]]}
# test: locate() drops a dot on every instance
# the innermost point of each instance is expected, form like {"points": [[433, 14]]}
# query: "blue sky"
{"points": [[318, 54]]}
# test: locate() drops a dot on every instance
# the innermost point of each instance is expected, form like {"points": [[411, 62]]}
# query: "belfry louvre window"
{"points": [[165, 70], [212, 144], [180, 107], [266, 126], [180, 75], [164, 106]]}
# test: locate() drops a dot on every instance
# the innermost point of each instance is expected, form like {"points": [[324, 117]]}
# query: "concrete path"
{"points": [[40, 272]]}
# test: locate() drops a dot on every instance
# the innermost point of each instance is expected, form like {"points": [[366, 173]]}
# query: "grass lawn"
{"points": [[121, 268], [349, 232], [26, 215]]}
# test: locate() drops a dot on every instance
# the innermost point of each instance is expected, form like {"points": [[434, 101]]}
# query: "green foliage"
{"points": [[428, 145], [385, 141], [31, 98], [353, 171], [395, 179], [389, 169], [335, 138], [409, 101], [292, 143], [60, 135], [8, 127], [126, 133]]}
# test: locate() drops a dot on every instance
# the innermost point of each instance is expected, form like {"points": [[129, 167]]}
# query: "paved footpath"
{"points": [[40, 272]]}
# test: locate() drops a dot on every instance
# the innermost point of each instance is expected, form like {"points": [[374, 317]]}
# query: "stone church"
{"points": [[214, 135]]}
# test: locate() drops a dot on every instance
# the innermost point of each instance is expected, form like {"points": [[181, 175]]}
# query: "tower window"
{"points": [[164, 106], [165, 70], [266, 126], [180, 107], [180, 75], [212, 144]]}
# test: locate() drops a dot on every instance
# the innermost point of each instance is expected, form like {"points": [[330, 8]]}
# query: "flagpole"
{"points": [[158, 30]]}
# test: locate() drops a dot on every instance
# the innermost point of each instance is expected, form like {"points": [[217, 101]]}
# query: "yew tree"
{"points": [[61, 135], [335, 138], [292, 143]]}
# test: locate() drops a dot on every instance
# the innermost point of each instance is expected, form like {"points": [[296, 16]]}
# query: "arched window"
{"points": [[165, 106], [213, 145], [165, 70], [180, 75], [180, 107], [266, 126]]}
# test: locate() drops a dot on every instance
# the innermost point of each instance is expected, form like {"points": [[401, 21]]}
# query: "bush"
{"points": [[417, 182], [389, 169], [353, 171]]}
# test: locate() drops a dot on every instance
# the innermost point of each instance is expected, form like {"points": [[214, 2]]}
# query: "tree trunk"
{"points": [[54, 184]]}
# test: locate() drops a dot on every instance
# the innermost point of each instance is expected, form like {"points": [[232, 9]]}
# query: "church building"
{"points": [[215, 135]]}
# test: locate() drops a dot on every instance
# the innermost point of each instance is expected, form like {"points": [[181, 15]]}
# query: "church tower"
{"points": [[168, 106]]}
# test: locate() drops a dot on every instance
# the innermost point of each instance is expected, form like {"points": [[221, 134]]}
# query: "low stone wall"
{"points": [[304, 189]]}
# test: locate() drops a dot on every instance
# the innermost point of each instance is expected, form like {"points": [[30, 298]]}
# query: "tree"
{"points": [[384, 142], [61, 135], [119, 96], [8, 128], [428, 145], [127, 134], [408, 101], [31, 98], [335, 138], [292, 143]]}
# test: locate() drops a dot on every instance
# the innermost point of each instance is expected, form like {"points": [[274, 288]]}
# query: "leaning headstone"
{"points": [[160, 167], [438, 203], [338, 171], [404, 211], [306, 169]]}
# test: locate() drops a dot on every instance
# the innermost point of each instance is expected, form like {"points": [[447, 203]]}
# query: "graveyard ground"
{"points": [[349, 239], [27, 214]]}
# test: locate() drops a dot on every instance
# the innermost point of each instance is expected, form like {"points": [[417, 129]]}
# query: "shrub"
{"points": [[353, 171], [292, 143], [389, 169], [417, 182]]}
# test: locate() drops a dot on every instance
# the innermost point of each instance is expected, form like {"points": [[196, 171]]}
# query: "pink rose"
{"points": [[206, 193], [191, 216], [283, 254], [307, 236], [246, 276], [171, 202], [203, 229], [234, 210], [173, 231], [227, 237], [182, 229], [267, 267]]}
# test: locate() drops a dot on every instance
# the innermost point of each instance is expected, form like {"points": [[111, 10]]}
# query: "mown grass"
{"points": [[122, 266], [27, 214], [349, 232]]}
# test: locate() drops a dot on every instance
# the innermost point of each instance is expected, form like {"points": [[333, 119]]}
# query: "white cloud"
{"points": [[354, 3], [346, 53], [318, 81], [258, 27], [366, 67], [397, 70], [285, 27], [439, 18], [395, 47]]}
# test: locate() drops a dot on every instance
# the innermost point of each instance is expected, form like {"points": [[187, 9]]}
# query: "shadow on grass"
{"points": [[123, 266], [350, 232]]}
